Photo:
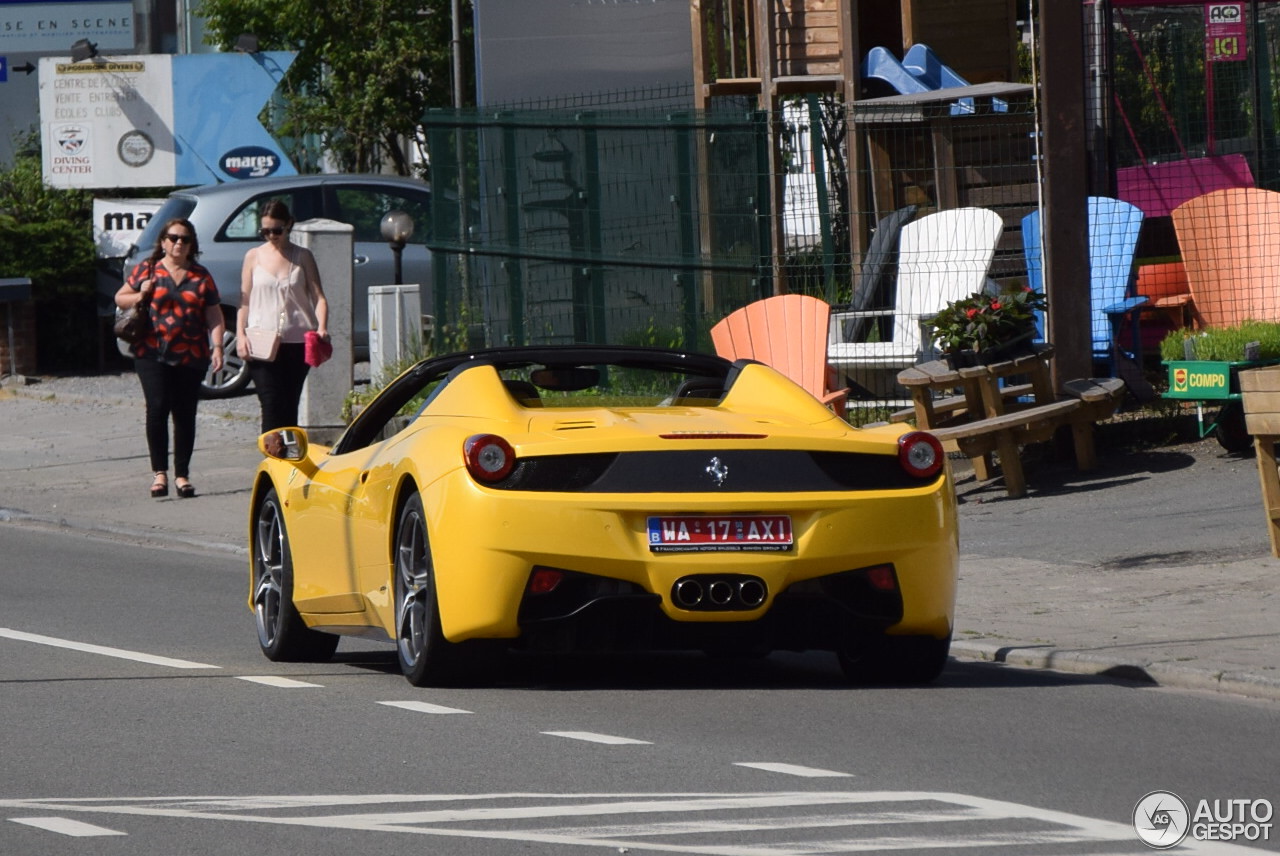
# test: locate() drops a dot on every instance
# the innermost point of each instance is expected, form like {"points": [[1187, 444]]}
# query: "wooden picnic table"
{"points": [[1001, 406]]}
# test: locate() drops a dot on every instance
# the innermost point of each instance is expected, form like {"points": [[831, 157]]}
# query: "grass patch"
{"points": [[1223, 344]]}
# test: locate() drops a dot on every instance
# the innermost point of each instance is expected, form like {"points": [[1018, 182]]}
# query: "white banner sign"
{"points": [[107, 123], [117, 224]]}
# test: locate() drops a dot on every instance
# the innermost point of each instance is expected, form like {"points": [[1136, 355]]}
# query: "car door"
{"points": [[363, 205]]}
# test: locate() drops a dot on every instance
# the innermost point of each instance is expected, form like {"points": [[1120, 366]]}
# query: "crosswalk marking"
{"points": [[423, 707], [792, 769], [741, 824], [598, 738], [66, 826], [277, 681]]}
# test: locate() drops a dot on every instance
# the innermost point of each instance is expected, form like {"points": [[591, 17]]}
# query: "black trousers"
{"points": [[170, 392], [279, 384]]}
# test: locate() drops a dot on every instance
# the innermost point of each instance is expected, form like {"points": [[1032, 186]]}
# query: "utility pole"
{"points": [[1065, 216]]}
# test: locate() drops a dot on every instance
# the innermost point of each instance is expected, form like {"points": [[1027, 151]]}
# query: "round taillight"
{"points": [[489, 457], [920, 454]]}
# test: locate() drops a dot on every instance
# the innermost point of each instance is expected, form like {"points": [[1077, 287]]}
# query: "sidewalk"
{"points": [[1155, 567]]}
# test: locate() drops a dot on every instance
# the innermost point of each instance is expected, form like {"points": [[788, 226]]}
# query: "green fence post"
{"points": [[763, 204], [443, 217], [816, 130], [686, 227], [512, 265], [592, 227]]}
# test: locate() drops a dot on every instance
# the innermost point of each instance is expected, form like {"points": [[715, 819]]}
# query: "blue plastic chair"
{"points": [[1113, 242]]}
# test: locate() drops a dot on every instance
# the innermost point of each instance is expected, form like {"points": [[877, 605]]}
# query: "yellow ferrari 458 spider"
{"points": [[598, 498]]}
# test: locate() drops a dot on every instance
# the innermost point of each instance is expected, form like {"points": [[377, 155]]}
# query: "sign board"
{"points": [[107, 123], [1199, 379], [118, 223], [159, 120], [36, 27], [1226, 33]]}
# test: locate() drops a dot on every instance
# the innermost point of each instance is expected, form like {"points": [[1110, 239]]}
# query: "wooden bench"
{"points": [[954, 406], [1087, 400], [1260, 397]]}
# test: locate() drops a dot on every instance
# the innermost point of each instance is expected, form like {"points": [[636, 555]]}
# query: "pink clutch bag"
{"points": [[316, 349]]}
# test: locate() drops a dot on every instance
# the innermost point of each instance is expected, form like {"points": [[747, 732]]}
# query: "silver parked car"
{"points": [[226, 218]]}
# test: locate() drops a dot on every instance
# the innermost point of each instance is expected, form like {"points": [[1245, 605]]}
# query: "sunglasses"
{"points": [[266, 231], [178, 239]]}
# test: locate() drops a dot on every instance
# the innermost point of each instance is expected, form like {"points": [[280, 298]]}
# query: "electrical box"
{"points": [[395, 329]]}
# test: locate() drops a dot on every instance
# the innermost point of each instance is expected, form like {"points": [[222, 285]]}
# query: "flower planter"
{"points": [[1016, 347]]}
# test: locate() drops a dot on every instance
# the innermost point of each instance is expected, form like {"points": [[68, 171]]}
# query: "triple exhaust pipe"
{"points": [[710, 593]]}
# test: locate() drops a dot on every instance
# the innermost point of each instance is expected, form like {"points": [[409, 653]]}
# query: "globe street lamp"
{"points": [[397, 228]]}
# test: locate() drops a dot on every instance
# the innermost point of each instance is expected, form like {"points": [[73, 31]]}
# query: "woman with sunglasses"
{"points": [[184, 341], [280, 290]]}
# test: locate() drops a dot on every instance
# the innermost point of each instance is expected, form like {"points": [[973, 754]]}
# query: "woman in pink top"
{"points": [[280, 289]]}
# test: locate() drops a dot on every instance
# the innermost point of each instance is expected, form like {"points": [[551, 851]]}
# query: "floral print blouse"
{"points": [[179, 333]]}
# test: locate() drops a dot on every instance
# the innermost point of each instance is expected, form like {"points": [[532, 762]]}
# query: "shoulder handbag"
{"points": [[133, 324], [263, 343]]}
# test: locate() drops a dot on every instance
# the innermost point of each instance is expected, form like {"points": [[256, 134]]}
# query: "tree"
{"points": [[365, 73]]}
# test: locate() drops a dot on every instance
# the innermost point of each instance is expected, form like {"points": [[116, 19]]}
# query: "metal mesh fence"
{"points": [[595, 225], [639, 226], [630, 218]]}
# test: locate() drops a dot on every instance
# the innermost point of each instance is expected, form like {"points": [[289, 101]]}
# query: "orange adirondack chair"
{"points": [[787, 332], [1230, 240], [1168, 294]]}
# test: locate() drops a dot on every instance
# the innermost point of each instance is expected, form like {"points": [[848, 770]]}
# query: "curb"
{"points": [[149, 538], [1053, 659]]}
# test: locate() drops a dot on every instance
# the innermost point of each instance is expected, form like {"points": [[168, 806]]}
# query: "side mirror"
{"points": [[285, 444]]}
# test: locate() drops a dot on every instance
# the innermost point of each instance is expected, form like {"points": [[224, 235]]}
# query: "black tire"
{"points": [[234, 376], [282, 634], [895, 660], [1230, 428], [426, 657]]}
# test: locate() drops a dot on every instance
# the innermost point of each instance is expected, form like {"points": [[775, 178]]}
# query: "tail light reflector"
{"points": [[544, 580], [920, 454], [882, 577], [489, 457]]}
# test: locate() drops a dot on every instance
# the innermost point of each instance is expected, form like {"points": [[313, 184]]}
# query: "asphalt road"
{"points": [[173, 735]]}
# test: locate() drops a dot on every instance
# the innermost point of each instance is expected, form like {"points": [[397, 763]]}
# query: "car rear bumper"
{"points": [[483, 570]]}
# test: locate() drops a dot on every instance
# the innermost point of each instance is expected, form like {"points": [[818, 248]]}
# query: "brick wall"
{"points": [[22, 314]]}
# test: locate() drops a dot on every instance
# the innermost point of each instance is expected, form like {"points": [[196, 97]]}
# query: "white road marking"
{"points": [[64, 826], [598, 738], [792, 769], [800, 822], [276, 681], [118, 653], [423, 707]]}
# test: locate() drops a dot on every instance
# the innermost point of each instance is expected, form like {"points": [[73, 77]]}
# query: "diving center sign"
{"points": [[159, 120]]}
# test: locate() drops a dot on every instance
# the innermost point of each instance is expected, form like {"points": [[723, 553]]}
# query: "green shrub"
{"points": [[46, 236]]}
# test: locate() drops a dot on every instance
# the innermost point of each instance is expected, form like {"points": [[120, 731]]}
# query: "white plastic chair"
{"points": [[941, 257]]}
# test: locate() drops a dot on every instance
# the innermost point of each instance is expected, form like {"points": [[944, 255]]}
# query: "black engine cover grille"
{"points": [[727, 471]]}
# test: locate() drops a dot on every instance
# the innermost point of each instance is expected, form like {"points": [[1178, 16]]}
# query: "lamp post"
{"points": [[397, 228]]}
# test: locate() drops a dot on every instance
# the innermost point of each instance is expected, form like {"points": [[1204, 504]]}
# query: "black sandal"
{"points": [[186, 491], [160, 487]]}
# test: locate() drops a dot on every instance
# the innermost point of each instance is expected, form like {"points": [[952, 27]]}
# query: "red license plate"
{"points": [[726, 533]]}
